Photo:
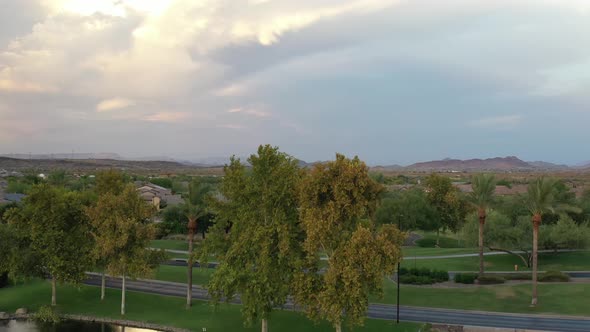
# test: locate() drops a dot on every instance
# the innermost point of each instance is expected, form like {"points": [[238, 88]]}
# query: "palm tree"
{"points": [[482, 196], [541, 200], [194, 208]]}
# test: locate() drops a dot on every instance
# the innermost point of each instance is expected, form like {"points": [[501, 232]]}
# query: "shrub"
{"points": [[46, 314], [440, 276], [416, 280], [490, 280], [554, 276], [426, 242], [465, 278], [403, 271], [516, 276]]}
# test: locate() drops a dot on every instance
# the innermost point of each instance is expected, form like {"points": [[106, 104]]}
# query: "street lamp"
{"points": [[399, 226]]}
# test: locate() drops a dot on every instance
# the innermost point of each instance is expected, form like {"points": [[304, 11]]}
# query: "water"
{"points": [[65, 326]]}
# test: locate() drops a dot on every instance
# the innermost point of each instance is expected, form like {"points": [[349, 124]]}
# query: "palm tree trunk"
{"points": [[189, 288], [482, 221], [102, 286], [264, 325], [123, 295], [53, 291], [536, 222]]}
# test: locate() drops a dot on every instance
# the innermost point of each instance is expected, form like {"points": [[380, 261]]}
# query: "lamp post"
{"points": [[399, 226]]}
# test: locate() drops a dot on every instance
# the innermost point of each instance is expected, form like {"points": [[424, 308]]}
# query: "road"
{"points": [[385, 311]]}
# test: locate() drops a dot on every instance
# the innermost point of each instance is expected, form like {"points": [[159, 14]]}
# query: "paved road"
{"points": [[384, 311]]}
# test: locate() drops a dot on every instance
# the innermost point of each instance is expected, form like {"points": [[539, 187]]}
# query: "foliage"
{"points": [[446, 200], [490, 280], [504, 182], [57, 178], [52, 224], [259, 255], [410, 208], [4, 209], [443, 242], [554, 276], [162, 182], [337, 199], [482, 196], [47, 314], [465, 278], [422, 276], [109, 182], [17, 186]]}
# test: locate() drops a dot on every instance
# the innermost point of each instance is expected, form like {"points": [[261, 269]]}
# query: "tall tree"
{"points": [[194, 208], [122, 231], [258, 256], [337, 201], [447, 202], [541, 199], [483, 187], [107, 182], [54, 222], [408, 208]]}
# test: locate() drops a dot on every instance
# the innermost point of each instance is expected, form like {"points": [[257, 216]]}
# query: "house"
{"points": [[158, 196]]}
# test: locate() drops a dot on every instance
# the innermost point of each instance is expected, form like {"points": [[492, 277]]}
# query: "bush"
{"points": [[465, 278], [426, 242], [440, 276], [554, 276], [516, 276], [46, 314], [403, 271], [416, 280], [490, 280]]}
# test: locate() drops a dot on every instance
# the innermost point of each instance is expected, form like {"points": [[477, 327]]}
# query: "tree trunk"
{"points": [[536, 222], [338, 327], [53, 291], [482, 221], [264, 325], [123, 296], [102, 286], [189, 288]]}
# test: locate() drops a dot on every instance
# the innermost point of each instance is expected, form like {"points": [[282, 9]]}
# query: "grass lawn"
{"points": [[567, 261], [179, 274], [164, 310], [567, 299], [418, 251], [169, 244]]}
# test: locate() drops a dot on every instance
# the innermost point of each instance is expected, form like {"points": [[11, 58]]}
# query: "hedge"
{"points": [[490, 280], [554, 276], [465, 278]]}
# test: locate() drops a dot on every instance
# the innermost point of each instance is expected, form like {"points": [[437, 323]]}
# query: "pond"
{"points": [[65, 326]]}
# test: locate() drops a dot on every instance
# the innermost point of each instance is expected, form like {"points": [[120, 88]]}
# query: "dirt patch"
{"points": [[503, 293]]}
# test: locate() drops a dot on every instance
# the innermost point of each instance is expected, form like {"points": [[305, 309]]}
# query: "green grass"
{"points": [[169, 244], [164, 310], [567, 261], [566, 299], [418, 251], [201, 276]]}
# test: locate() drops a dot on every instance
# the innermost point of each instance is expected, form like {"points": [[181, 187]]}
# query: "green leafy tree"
{"points": [[53, 219], [446, 200], [58, 178], [122, 230], [541, 200], [481, 197], [194, 207], [408, 208], [258, 257], [109, 182], [337, 201]]}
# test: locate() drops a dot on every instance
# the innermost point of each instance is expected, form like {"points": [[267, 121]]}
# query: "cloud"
{"points": [[24, 87], [167, 117], [249, 111], [114, 104], [231, 126], [506, 121]]}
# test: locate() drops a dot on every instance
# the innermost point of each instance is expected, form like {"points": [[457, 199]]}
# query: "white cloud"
{"points": [[167, 117], [114, 104], [249, 111], [231, 126], [507, 121]]}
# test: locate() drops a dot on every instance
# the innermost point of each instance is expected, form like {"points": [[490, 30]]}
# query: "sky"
{"points": [[392, 81]]}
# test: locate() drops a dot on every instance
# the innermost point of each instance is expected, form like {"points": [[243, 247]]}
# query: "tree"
{"points": [[194, 208], [445, 199], [122, 230], [409, 208], [483, 187], [337, 201], [57, 229], [541, 199], [258, 257], [107, 182]]}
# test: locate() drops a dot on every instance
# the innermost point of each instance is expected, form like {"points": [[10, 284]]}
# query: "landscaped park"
{"points": [[283, 248]]}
